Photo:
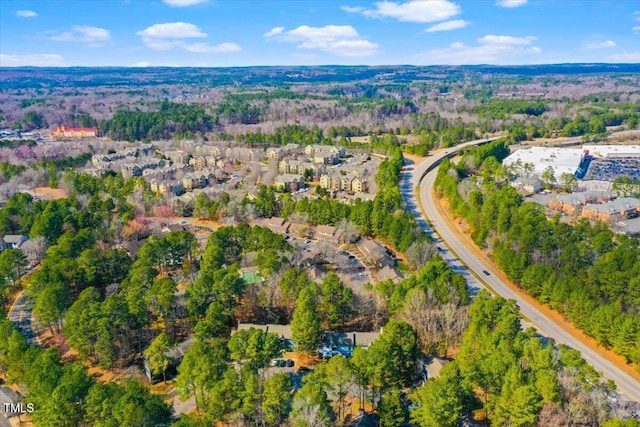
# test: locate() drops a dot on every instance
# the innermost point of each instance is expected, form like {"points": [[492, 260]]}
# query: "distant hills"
{"points": [[35, 77]]}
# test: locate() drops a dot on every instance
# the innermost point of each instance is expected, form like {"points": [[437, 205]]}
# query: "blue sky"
{"points": [[297, 32]]}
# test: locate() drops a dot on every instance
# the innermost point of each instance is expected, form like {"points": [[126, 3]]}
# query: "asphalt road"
{"points": [[628, 386], [20, 313]]}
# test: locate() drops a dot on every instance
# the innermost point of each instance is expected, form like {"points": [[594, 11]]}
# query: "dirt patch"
{"points": [[459, 227], [49, 193], [414, 158]]}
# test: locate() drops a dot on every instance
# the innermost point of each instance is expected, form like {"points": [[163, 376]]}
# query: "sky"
{"points": [[212, 33]]}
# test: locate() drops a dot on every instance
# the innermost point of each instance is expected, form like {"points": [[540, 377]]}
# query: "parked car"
{"points": [[486, 273], [290, 363]]}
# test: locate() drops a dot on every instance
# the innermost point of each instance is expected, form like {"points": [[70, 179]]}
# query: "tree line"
{"points": [[583, 271]]}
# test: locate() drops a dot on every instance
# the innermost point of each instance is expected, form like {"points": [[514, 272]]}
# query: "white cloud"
{"points": [[491, 49], [447, 26], [274, 32], [26, 13], [636, 29], [340, 40], [177, 34], [183, 3], [625, 57], [142, 64], [172, 30], [490, 39], [226, 47], [511, 3], [352, 9], [412, 11], [84, 34], [600, 45], [169, 35], [35, 60]]}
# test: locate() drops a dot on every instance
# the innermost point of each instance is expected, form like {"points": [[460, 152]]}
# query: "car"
{"points": [[352, 257], [274, 362], [290, 363], [486, 273], [282, 363], [307, 241], [363, 273]]}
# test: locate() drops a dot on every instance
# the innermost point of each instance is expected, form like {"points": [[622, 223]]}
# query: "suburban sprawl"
{"points": [[320, 246]]}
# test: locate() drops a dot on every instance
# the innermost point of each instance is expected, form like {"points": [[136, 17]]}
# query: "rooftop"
{"points": [[612, 150], [617, 205], [562, 160]]}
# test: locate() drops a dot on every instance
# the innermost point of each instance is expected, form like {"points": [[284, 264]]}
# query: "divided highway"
{"points": [[422, 177]]}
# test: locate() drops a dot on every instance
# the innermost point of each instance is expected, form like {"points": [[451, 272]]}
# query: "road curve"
{"points": [[422, 179]]}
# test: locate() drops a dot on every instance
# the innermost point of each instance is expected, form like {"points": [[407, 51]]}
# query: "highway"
{"points": [[422, 177]]}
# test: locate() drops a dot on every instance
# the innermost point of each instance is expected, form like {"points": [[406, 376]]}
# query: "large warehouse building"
{"points": [[591, 163], [562, 160]]}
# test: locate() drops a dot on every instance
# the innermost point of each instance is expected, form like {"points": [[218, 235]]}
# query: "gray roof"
{"points": [[14, 239], [280, 330], [617, 205], [434, 366], [355, 339], [630, 226]]}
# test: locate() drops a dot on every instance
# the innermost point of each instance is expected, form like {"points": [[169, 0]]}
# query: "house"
{"points": [[275, 153], [613, 211], [177, 156], [345, 182], [194, 180], [390, 273], [276, 224], [630, 227], [359, 185], [283, 331], [434, 366], [526, 185], [573, 203], [316, 273], [325, 181], [71, 132], [14, 241], [129, 170], [311, 258], [289, 182], [284, 166], [34, 251], [329, 234], [374, 253], [331, 181], [343, 343], [175, 356], [199, 162]]}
